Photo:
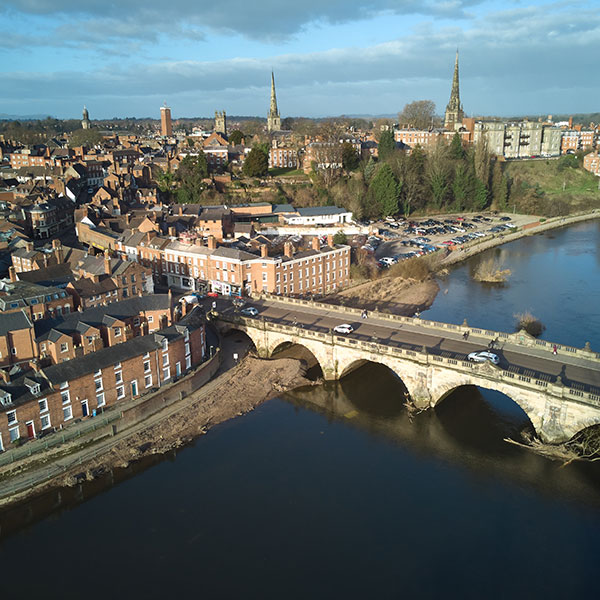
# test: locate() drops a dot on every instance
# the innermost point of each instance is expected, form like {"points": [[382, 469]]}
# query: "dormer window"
{"points": [[34, 388], [6, 399]]}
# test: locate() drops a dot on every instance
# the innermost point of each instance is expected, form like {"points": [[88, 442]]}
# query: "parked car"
{"points": [[344, 328], [249, 311], [484, 356]]}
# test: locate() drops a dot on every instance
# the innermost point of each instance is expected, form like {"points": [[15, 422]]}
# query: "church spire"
{"points": [[454, 110], [273, 119]]}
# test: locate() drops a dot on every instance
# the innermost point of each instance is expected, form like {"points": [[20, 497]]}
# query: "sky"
{"points": [[125, 58]]}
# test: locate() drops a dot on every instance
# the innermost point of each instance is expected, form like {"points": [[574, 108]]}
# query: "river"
{"points": [[336, 492]]}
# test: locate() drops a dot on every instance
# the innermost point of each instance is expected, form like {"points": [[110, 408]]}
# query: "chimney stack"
{"points": [[330, 241], [288, 249], [172, 232], [4, 375], [212, 242], [29, 246], [58, 251], [316, 245], [264, 251], [107, 268], [12, 274], [184, 307]]}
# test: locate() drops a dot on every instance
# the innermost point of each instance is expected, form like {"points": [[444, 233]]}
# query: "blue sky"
{"points": [[331, 57]]}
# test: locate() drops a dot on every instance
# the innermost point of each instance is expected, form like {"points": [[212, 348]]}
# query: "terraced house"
{"points": [[44, 399]]}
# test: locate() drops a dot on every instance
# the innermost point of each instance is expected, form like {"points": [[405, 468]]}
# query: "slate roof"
{"points": [[315, 211], [14, 322], [97, 316]]}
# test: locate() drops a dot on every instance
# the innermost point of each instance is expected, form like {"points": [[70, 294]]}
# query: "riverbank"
{"points": [[234, 393], [406, 297]]}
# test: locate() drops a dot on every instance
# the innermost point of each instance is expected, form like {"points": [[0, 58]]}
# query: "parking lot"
{"points": [[395, 240]]}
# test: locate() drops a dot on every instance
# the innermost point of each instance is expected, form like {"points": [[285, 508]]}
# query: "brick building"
{"points": [[55, 396], [591, 163]]}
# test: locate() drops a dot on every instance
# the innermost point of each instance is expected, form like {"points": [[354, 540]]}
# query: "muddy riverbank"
{"points": [[234, 393]]}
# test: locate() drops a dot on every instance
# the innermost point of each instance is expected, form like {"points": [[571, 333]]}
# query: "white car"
{"points": [[481, 357], [343, 328], [249, 311]]}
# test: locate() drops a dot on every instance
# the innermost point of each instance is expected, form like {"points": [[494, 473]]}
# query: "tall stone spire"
{"points": [[273, 119], [454, 110]]}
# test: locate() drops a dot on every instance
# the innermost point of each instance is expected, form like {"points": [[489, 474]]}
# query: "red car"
{"points": [[212, 295]]}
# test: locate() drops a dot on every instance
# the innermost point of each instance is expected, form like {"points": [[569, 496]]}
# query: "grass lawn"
{"points": [[283, 172]]}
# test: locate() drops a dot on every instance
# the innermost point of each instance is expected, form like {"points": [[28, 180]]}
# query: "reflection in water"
{"points": [[468, 428]]}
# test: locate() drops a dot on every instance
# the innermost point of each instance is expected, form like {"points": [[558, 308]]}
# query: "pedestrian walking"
{"points": [[363, 315], [466, 335], [554, 349]]}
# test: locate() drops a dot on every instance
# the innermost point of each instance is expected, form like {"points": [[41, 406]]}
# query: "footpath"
{"points": [[84, 448]]}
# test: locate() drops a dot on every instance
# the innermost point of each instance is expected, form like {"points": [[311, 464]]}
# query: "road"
{"points": [[539, 363]]}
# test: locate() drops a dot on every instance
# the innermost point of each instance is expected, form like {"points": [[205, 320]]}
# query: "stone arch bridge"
{"points": [[556, 411]]}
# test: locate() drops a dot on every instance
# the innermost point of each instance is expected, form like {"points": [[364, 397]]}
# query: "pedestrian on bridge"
{"points": [[363, 315], [554, 349]]}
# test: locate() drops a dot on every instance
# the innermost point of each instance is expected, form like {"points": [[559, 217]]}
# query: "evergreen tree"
{"points": [[499, 187], [340, 238], [460, 187], [456, 150], [256, 163], [384, 191], [387, 145], [190, 173], [370, 169], [235, 137], [350, 158], [479, 194]]}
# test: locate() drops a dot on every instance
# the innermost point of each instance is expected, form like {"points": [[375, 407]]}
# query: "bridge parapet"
{"points": [[371, 349], [520, 338]]}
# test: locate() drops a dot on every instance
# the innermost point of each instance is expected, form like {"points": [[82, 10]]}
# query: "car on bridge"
{"points": [[249, 311], [344, 328], [484, 356]]}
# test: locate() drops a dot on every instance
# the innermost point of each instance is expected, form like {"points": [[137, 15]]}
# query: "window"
{"points": [[12, 416], [148, 380], [165, 359], [133, 279], [43, 404], [14, 434], [67, 412], [100, 399], [146, 366], [64, 347], [150, 319], [188, 362], [98, 373], [45, 419], [187, 348], [166, 373], [64, 396], [117, 332], [165, 345], [99, 386], [13, 351], [120, 392]]}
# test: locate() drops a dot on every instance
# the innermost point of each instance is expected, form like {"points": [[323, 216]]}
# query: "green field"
{"points": [[286, 172], [546, 175]]}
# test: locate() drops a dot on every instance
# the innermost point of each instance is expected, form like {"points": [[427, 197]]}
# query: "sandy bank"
{"points": [[237, 391]]}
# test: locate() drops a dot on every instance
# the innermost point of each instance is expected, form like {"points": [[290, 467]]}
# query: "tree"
{"points": [[456, 150], [190, 174], [419, 114], [385, 190], [256, 163], [236, 137], [438, 175], [369, 170], [460, 187], [499, 187], [482, 161], [85, 137], [350, 158], [387, 144], [340, 238]]}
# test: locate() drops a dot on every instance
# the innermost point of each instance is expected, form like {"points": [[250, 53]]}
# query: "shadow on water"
{"points": [[467, 429]]}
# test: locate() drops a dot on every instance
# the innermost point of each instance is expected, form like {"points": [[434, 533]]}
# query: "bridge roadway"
{"points": [[575, 371]]}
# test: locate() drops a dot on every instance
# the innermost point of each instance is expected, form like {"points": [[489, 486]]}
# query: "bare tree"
{"points": [[419, 114]]}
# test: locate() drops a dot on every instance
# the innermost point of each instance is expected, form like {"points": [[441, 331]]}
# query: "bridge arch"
{"points": [[300, 351], [529, 408]]}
